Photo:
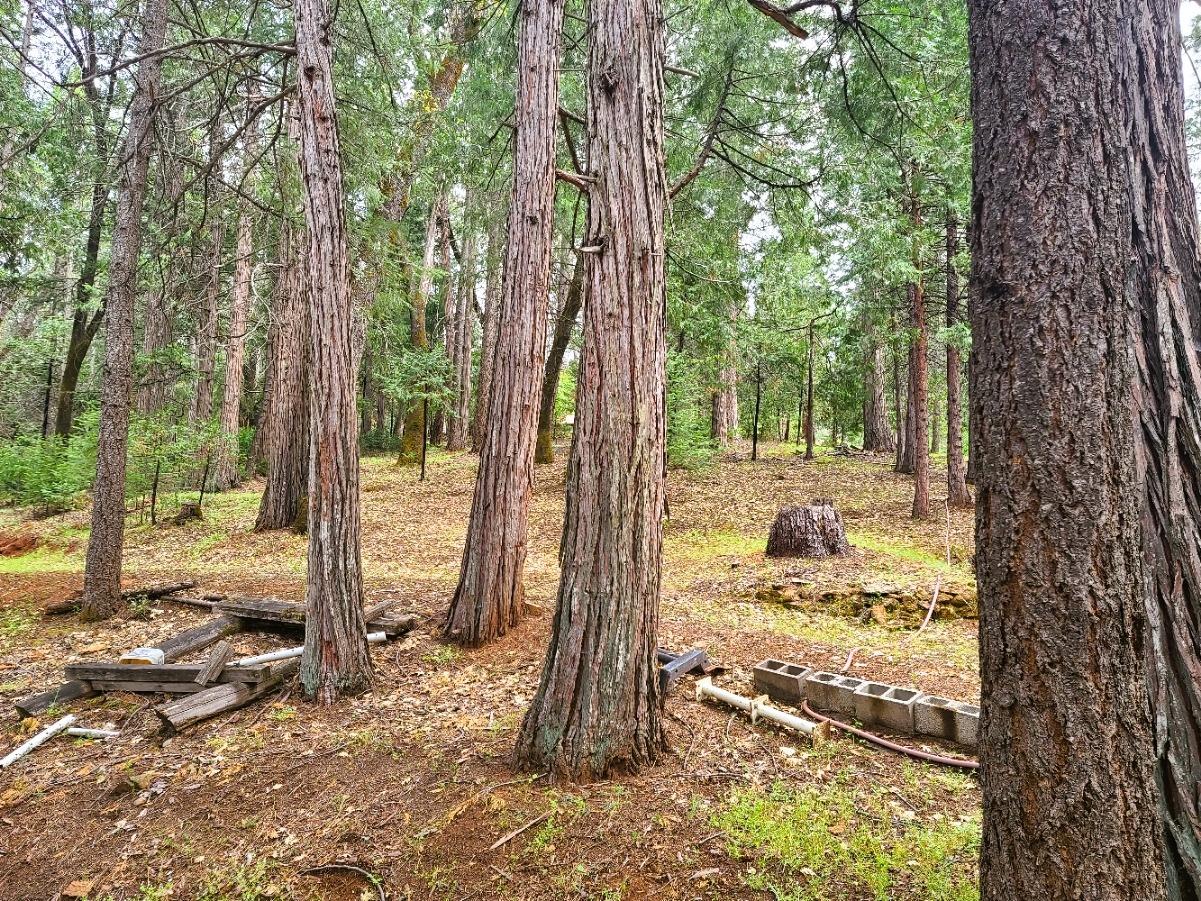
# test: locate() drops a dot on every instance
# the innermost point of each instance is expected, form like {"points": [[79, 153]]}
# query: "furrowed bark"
{"points": [[597, 709], [335, 660], [488, 600], [102, 572], [1067, 752]]}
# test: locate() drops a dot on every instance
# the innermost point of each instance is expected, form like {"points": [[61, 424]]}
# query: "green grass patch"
{"points": [[907, 552], [833, 842], [43, 559], [699, 546]]}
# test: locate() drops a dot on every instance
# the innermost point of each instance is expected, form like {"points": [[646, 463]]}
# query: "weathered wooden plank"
{"points": [[147, 687], [210, 702], [292, 613], [92, 670], [199, 637], [220, 655], [40, 703], [149, 592]]}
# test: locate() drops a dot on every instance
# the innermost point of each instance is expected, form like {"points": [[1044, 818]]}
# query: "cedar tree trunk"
{"points": [[335, 660], [597, 709], [490, 594]]}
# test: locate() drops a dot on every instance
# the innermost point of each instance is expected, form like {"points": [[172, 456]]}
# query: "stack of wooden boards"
{"points": [[216, 685]]}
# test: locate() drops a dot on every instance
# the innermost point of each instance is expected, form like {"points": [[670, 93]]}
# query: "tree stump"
{"points": [[812, 531], [188, 510]]}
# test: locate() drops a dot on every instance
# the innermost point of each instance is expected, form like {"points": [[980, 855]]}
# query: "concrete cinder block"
{"points": [[967, 724], [886, 705], [934, 716], [781, 680], [832, 692]]}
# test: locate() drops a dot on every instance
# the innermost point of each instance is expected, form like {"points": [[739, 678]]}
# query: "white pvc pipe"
{"points": [[81, 732], [757, 707], [41, 738], [288, 653]]}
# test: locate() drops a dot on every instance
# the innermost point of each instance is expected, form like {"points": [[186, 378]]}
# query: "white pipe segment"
{"points": [[288, 653], [41, 738], [758, 707]]}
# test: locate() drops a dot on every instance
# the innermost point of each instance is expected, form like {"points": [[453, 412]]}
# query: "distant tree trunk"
{"points": [[413, 437], [496, 237], [934, 424], [102, 572], [1062, 258], [919, 413], [285, 419], [151, 395], [226, 466], [85, 322], [490, 594], [957, 493], [810, 435], [906, 458], [459, 331], [758, 405], [206, 333], [544, 451], [725, 398], [335, 660], [597, 709], [877, 434]]}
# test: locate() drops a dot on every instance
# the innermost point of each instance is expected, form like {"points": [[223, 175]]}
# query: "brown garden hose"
{"points": [[956, 762]]}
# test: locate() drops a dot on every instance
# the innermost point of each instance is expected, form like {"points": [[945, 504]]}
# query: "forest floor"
{"points": [[412, 783]]}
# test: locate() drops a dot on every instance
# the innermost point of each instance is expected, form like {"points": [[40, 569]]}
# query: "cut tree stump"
{"points": [[812, 531]]}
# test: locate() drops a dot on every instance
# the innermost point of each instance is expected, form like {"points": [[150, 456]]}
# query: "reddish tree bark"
{"points": [[285, 420], [102, 572], [335, 660], [597, 709], [459, 333], [490, 594]]}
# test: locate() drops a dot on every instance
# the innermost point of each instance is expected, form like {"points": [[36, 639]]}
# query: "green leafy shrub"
{"points": [[689, 445]]}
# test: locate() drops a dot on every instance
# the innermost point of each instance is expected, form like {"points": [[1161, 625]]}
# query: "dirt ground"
{"points": [[409, 793]]}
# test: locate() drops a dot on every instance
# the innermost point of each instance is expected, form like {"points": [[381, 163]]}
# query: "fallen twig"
{"points": [[508, 837]]}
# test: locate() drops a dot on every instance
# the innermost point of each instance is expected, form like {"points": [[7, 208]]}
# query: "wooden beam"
{"points": [[220, 655], [60, 694], [93, 670], [199, 637], [210, 702]]}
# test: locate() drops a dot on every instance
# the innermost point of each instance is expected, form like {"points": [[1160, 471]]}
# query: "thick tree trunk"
{"points": [[156, 336], [412, 439], [544, 451], [1067, 751], [335, 660], [957, 493], [496, 237], [1168, 286], [597, 709], [102, 573], [877, 434], [285, 421], [490, 594]]}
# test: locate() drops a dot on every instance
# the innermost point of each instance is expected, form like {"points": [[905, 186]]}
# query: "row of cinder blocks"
{"points": [[896, 709]]}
